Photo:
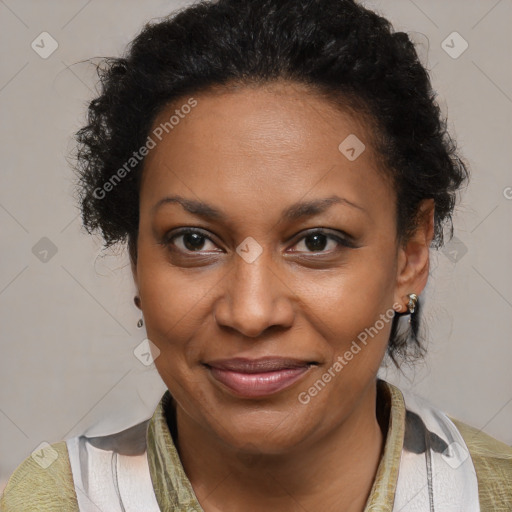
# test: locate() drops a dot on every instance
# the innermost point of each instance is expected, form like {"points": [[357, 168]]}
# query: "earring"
{"points": [[136, 299], [413, 300]]}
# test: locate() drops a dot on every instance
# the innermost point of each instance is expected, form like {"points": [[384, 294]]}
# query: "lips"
{"points": [[253, 378]]}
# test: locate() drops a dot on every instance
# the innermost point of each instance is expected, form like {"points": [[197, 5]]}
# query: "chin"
{"points": [[265, 429]]}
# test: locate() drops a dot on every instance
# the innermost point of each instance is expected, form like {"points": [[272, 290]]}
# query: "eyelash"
{"points": [[343, 242]]}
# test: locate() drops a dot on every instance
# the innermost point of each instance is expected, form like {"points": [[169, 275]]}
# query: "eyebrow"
{"points": [[294, 212]]}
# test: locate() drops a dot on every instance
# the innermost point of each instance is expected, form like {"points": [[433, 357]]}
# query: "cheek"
{"points": [[175, 301], [346, 302], [353, 315], [174, 305]]}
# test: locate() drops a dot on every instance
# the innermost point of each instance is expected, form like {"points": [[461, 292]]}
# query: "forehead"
{"points": [[258, 143]]}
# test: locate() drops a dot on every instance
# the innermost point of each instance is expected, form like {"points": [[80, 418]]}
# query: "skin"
{"points": [[251, 153]]}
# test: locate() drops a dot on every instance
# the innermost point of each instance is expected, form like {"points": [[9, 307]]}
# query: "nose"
{"points": [[254, 298]]}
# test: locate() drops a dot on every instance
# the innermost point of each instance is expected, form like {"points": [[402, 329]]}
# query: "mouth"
{"points": [[256, 378]]}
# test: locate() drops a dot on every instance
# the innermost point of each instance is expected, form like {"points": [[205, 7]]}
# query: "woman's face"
{"points": [[272, 315]]}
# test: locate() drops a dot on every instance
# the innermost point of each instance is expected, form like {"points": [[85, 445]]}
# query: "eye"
{"points": [[192, 240], [189, 240], [319, 240]]}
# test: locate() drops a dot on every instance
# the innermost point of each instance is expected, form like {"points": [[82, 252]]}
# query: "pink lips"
{"points": [[254, 378]]}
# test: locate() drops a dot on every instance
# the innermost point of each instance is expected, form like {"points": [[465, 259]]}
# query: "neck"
{"points": [[333, 473]]}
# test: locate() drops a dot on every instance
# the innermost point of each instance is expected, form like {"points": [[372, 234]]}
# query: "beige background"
{"points": [[68, 325]]}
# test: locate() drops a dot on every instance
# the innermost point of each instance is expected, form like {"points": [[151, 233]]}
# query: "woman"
{"points": [[279, 170]]}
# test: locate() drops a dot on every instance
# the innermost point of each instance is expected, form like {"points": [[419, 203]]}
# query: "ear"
{"points": [[414, 256]]}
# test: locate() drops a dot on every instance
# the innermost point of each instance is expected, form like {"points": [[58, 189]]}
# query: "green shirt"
{"points": [[32, 488]]}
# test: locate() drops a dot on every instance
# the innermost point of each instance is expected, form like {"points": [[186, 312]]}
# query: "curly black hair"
{"points": [[339, 49]]}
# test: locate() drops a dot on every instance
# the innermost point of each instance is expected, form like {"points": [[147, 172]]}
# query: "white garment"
{"points": [[436, 473]]}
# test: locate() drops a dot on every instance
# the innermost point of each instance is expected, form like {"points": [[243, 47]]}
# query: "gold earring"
{"points": [[413, 300]]}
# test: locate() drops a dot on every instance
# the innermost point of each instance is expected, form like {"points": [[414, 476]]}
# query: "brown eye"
{"points": [[189, 240], [193, 241], [316, 242], [320, 241]]}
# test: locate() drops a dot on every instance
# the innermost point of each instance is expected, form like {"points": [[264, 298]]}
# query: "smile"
{"points": [[258, 377]]}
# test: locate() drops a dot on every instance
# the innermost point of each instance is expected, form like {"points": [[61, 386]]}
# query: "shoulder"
{"points": [[493, 465], [43, 482]]}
